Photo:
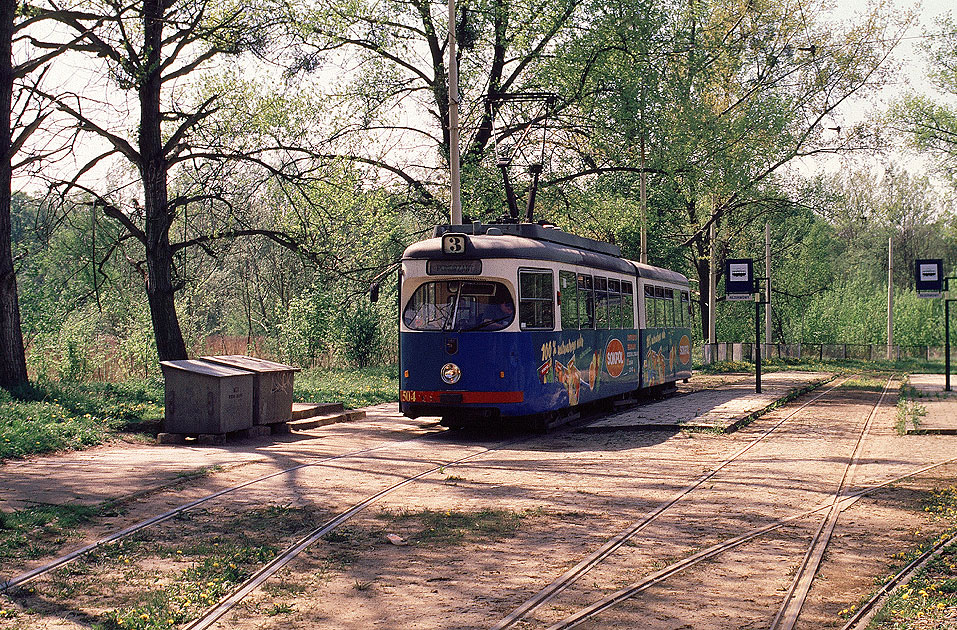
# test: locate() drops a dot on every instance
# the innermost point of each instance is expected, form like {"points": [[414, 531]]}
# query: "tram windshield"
{"points": [[459, 305]]}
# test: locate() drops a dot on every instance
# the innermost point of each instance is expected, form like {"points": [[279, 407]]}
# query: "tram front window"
{"points": [[459, 305]]}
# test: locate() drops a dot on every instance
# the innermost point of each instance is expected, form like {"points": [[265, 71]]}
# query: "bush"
{"points": [[361, 337]]}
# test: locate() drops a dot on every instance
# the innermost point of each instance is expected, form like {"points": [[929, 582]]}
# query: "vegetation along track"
{"points": [[260, 576], [238, 594], [152, 521]]}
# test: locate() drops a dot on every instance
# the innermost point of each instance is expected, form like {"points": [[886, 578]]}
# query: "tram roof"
{"points": [[534, 242]]}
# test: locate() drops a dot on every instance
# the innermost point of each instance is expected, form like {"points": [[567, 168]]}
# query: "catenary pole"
{"points": [[767, 297], [643, 197], [890, 299], [454, 166], [712, 287]]}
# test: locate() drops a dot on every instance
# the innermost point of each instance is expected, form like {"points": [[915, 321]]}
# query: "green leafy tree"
{"points": [[20, 117], [154, 53], [725, 96], [930, 124]]}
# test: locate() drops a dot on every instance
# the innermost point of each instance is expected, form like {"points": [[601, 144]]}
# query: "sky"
{"points": [[908, 52], [913, 77]]}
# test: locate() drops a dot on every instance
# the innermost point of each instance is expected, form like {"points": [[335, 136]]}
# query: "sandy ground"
{"points": [[567, 493]]}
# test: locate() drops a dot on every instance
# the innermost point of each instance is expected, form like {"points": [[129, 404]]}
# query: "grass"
{"points": [[453, 526], [47, 416], [353, 388], [930, 598], [166, 578], [870, 383], [34, 531], [213, 573]]}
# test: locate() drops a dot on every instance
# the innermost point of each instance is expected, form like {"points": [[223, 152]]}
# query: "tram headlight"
{"points": [[451, 373]]}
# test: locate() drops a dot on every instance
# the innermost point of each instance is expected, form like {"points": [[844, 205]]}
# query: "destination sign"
{"points": [[453, 267]]}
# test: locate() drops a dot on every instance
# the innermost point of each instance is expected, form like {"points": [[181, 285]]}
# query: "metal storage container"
{"points": [[272, 386], [202, 397]]}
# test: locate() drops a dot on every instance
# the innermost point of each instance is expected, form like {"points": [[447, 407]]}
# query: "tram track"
{"points": [[792, 605], [790, 610], [590, 612], [578, 571], [862, 617], [841, 500], [114, 537], [291, 552], [152, 521]]}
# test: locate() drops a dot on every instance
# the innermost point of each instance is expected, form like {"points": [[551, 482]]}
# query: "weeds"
{"points": [[909, 412], [34, 532], [165, 578], [48, 416], [44, 417], [451, 526], [352, 388], [930, 598]]}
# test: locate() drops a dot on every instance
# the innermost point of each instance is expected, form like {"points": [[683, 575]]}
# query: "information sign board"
{"points": [[739, 279], [929, 277]]}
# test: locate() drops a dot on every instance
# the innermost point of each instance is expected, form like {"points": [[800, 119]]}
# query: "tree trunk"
{"points": [[703, 269], [13, 365], [154, 169]]}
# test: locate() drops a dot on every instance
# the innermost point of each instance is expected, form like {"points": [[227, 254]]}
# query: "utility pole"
{"points": [[454, 166], [643, 198], [712, 287], [767, 297], [890, 299]]}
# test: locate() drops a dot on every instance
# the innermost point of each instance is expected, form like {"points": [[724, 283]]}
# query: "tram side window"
{"points": [[676, 300], [535, 305], [685, 309], [669, 305], [601, 302], [586, 302], [614, 303], [660, 318], [568, 288], [627, 306], [650, 321]]}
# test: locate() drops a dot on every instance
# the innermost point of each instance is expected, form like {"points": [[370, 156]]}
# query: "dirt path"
{"points": [[478, 539]]}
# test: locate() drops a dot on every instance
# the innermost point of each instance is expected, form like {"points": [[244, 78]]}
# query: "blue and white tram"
{"points": [[513, 320]]}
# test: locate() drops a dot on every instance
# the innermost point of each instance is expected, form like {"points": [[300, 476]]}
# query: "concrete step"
{"points": [[309, 410], [322, 420]]}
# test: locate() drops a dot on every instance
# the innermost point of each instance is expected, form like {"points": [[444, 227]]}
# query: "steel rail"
{"points": [[594, 559], [159, 518], [27, 576], [860, 619], [793, 603], [622, 595], [253, 582]]}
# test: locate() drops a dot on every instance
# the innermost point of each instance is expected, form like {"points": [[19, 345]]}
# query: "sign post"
{"points": [[931, 283], [947, 344], [947, 301], [740, 284]]}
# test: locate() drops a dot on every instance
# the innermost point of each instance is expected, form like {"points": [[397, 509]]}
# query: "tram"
{"points": [[523, 321]]}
